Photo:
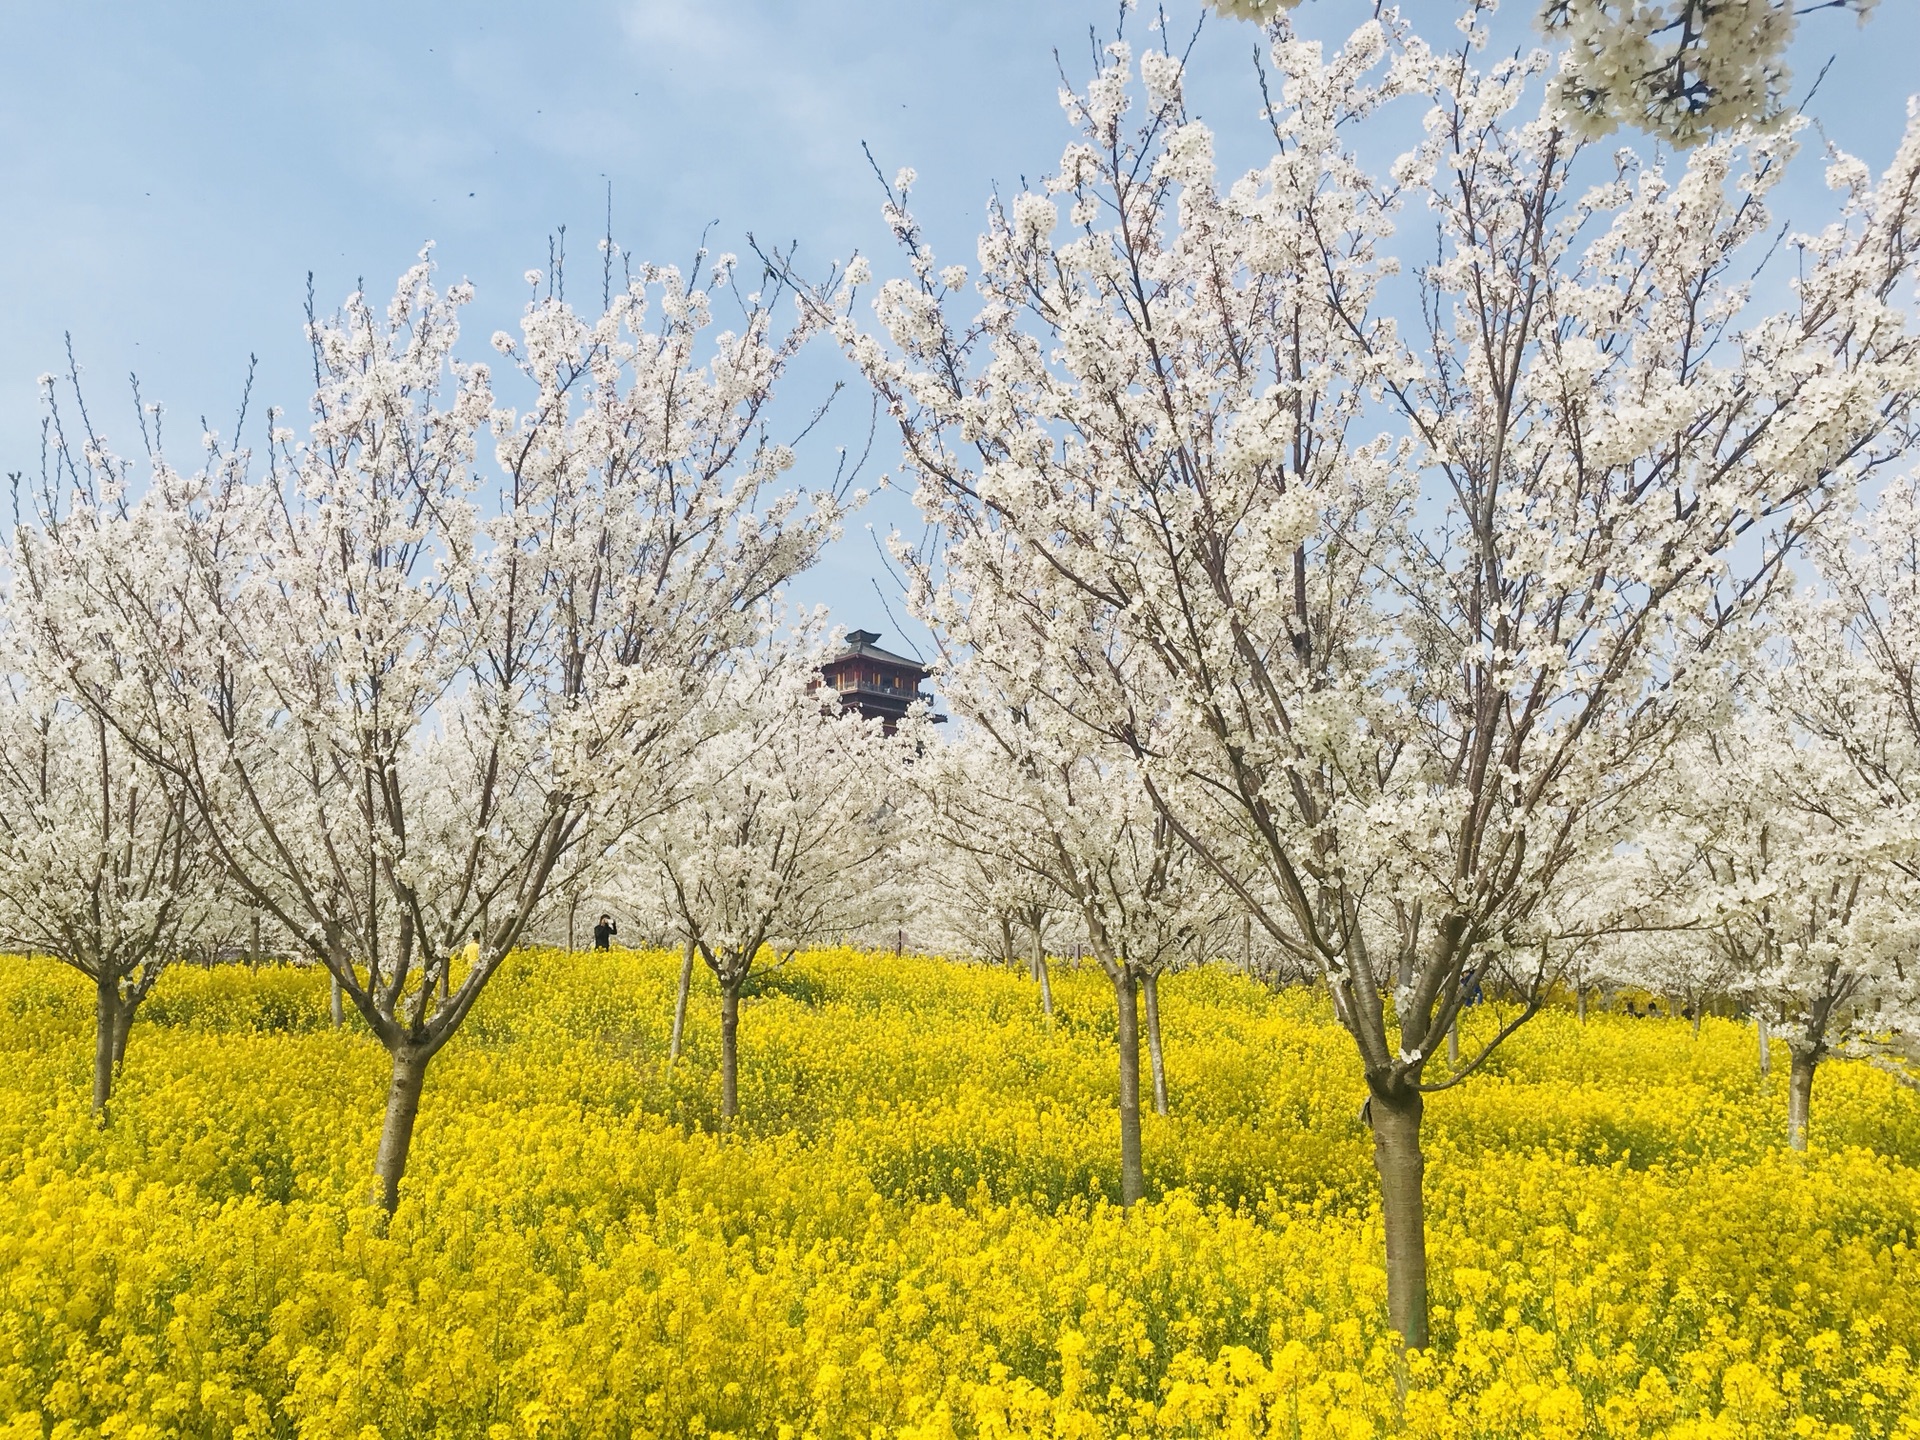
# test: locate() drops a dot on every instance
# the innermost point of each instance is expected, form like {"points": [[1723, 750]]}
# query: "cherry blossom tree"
{"points": [[1392, 686], [782, 830], [407, 702], [1775, 891], [967, 898], [1170, 917], [1803, 914], [987, 863], [102, 866], [1024, 785], [1845, 683]]}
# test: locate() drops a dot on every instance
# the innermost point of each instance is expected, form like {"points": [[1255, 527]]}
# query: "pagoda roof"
{"points": [[861, 645]]}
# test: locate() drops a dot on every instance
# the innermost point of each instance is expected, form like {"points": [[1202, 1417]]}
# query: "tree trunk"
{"points": [[680, 1004], [123, 1022], [1453, 1040], [396, 1135], [1396, 1155], [1040, 973], [1580, 1003], [1766, 1060], [106, 1027], [1132, 1179], [1150, 996], [1799, 1099], [729, 1052], [337, 1003]]}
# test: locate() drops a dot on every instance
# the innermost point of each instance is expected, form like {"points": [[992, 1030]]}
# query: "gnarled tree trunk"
{"points": [[1132, 1178], [1150, 997], [396, 1133], [1395, 1113], [336, 1005]]}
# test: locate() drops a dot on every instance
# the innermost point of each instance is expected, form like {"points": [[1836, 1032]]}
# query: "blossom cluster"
{"points": [[1678, 69]]}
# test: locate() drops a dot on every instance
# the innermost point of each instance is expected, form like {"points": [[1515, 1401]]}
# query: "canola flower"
{"points": [[913, 1231]]}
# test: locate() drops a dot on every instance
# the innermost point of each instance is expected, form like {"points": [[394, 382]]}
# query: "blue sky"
{"points": [[170, 174]]}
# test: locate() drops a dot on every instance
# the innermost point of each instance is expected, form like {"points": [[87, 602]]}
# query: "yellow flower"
{"points": [[914, 1233]]}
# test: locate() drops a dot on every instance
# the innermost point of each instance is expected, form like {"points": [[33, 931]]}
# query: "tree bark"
{"points": [[729, 1053], [680, 1004], [1132, 1178], [1040, 973], [1766, 1060], [1453, 1040], [337, 1003], [396, 1134], [106, 1025], [1156, 1057], [123, 1022], [1580, 1003], [1395, 1116], [1800, 1099]]}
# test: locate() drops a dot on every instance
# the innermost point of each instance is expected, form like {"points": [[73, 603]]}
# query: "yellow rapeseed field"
{"points": [[913, 1233]]}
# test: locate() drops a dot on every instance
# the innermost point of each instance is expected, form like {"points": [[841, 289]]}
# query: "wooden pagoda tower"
{"points": [[874, 682]]}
